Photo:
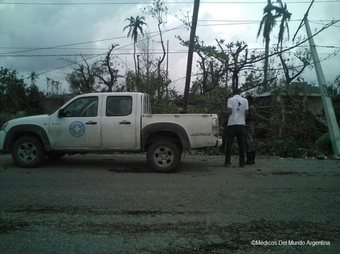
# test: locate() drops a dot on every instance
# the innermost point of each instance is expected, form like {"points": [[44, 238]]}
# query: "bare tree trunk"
{"points": [[135, 62], [282, 124], [160, 89], [265, 67]]}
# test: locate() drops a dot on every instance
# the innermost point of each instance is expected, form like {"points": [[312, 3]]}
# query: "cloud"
{"points": [[37, 37]]}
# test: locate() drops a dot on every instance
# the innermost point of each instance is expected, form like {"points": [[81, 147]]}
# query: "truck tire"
{"points": [[163, 156], [28, 152]]}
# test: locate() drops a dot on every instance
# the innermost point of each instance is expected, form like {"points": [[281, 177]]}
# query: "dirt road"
{"points": [[115, 204]]}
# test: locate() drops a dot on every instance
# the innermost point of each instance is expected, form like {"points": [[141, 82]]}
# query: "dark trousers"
{"points": [[238, 131], [250, 137]]}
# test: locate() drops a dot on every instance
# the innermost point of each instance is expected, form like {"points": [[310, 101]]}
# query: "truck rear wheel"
{"points": [[28, 152], [163, 156]]}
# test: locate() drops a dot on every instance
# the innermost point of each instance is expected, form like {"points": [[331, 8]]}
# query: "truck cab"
{"points": [[102, 121]]}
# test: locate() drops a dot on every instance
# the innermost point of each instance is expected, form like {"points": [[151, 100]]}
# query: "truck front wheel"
{"points": [[163, 156], [28, 152]]}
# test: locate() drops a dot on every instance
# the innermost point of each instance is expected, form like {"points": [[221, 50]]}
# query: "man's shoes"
{"points": [[227, 164], [250, 158]]}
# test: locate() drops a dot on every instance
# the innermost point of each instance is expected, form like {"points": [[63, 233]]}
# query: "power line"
{"points": [[150, 2], [61, 46], [90, 54], [155, 52], [68, 46]]}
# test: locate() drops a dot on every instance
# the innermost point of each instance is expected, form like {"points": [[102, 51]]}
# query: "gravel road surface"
{"points": [[115, 204]]}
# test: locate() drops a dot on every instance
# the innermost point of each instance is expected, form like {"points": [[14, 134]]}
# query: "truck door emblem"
{"points": [[201, 134], [77, 129]]}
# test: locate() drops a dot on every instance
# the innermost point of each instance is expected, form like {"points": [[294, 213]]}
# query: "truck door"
{"points": [[78, 126], [119, 123]]}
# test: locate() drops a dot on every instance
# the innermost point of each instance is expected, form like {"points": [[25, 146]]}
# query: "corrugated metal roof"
{"points": [[302, 88]]}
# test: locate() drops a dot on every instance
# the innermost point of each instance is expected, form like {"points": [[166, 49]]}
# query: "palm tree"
{"points": [[33, 76], [135, 26], [266, 26], [285, 17]]}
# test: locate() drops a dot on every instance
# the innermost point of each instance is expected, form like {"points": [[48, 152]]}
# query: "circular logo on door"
{"points": [[77, 129]]}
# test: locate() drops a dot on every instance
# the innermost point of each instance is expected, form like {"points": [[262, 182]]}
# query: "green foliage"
{"points": [[212, 102], [286, 148], [211, 151], [166, 105], [323, 144], [285, 126], [99, 75], [16, 98], [148, 83], [163, 98], [12, 89], [81, 80], [4, 116]]}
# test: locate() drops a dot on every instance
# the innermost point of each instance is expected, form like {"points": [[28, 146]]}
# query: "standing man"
{"points": [[250, 131], [237, 110]]}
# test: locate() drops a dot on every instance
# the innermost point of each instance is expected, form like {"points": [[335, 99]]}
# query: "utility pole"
{"points": [[190, 55], [333, 126]]}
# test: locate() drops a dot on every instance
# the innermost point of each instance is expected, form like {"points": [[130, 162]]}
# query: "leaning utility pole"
{"points": [[190, 55], [333, 126]]}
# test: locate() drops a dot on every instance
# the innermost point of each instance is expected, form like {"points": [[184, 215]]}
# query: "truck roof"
{"points": [[113, 93]]}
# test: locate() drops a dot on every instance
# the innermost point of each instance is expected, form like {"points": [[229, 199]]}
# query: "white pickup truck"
{"points": [[108, 122]]}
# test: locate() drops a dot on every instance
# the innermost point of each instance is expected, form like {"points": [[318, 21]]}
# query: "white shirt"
{"points": [[239, 105]]}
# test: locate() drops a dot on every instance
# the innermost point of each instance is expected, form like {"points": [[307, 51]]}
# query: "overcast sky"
{"points": [[35, 35]]}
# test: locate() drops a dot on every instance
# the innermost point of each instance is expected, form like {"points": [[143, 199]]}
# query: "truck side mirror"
{"points": [[61, 113]]}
